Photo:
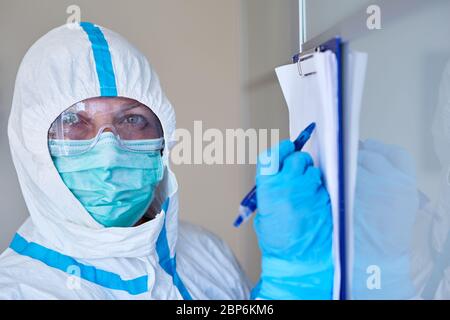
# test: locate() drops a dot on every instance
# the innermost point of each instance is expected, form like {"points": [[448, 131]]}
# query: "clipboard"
{"points": [[306, 69]]}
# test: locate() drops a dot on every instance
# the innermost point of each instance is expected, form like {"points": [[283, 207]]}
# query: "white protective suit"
{"points": [[431, 259], [407, 238], [61, 251]]}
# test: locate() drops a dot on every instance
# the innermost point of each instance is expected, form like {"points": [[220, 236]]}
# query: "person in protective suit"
{"points": [[90, 130]]}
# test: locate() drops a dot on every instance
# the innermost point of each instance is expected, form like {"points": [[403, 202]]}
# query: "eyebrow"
{"points": [[128, 106]]}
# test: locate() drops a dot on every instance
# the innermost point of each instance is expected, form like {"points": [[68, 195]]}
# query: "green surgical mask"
{"points": [[114, 184]]}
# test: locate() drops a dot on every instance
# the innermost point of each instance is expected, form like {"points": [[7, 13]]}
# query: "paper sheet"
{"points": [[314, 99], [355, 65]]}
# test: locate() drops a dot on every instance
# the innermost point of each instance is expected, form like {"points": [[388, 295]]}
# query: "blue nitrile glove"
{"points": [[386, 206], [294, 229]]}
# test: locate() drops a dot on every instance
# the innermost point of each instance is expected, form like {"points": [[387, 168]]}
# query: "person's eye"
{"points": [[135, 120], [70, 119]]}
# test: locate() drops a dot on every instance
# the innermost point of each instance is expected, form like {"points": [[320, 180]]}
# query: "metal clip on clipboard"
{"points": [[305, 63]]}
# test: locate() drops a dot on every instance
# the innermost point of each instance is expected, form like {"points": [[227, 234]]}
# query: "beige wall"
{"points": [[319, 20], [215, 59]]}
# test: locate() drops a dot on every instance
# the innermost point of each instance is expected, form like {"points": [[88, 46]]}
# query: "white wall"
{"points": [[405, 64], [324, 14]]}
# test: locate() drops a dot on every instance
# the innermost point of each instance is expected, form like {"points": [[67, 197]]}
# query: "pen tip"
{"points": [[238, 221]]}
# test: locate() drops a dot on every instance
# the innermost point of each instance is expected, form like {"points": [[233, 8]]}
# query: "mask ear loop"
{"points": [[163, 147]]}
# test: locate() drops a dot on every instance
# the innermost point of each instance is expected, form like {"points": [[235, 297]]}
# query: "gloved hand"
{"points": [[386, 204], [294, 229]]}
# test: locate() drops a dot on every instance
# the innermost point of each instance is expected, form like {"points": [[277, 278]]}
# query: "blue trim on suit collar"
{"points": [[65, 263], [166, 262]]}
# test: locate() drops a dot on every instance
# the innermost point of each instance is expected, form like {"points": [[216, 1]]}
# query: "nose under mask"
{"points": [[114, 184]]}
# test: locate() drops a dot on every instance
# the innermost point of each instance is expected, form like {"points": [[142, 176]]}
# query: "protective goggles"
{"points": [[79, 128]]}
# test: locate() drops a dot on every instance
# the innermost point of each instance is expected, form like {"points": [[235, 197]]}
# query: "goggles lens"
{"points": [[132, 125]]}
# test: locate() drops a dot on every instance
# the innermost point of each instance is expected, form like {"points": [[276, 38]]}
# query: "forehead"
{"points": [[106, 105]]}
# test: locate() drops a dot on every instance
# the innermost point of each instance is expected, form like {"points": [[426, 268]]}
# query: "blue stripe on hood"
{"points": [[102, 58]]}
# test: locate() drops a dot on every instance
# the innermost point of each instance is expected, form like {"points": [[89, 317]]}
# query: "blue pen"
{"points": [[248, 204]]}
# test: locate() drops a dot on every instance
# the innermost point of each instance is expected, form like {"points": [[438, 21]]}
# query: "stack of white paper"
{"points": [[314, 98], [310, 99], [355, 65]]}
